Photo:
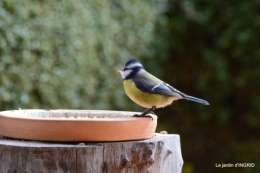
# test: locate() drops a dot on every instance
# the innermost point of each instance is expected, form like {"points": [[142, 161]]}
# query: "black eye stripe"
{"points": [[126, 69]]}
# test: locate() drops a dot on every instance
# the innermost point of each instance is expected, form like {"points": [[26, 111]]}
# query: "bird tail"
{"points": [[196, 99]]}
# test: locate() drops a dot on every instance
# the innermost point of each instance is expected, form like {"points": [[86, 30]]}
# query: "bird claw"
{"points": [[141, 116]]}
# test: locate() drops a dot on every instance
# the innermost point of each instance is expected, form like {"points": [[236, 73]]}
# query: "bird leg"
{"points": [[144, 113]]}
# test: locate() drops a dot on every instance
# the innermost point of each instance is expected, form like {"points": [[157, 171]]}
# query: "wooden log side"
{"points": [[160, 154]]}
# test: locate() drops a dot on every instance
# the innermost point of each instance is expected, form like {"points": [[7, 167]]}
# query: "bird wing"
{"points": [[149, 83]]}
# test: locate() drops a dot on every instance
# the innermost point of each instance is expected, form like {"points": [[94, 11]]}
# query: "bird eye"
{"points": [[126, 69]]}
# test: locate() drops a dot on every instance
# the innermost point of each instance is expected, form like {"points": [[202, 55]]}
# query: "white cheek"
{"points": [[125, 73], [134, 65]]}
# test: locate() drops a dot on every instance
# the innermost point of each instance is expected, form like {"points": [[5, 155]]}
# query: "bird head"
{"points": [[132, 68]]}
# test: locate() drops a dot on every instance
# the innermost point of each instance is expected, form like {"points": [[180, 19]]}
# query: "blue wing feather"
{"points": [[157, 88], [142, 87]]}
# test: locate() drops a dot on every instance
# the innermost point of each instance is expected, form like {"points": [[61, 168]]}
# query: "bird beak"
{"points": [[119, 72]]}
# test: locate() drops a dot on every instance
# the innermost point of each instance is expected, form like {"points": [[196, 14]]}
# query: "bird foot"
{"points": [[142, 116]]}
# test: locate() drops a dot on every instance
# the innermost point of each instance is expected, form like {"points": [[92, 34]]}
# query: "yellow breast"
{"points": [[145, 99]]}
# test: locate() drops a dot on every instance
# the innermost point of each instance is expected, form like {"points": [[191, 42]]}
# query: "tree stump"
{"points": [[160, 154]]}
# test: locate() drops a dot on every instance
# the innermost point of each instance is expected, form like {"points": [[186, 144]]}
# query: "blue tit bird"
{"points": [[148, 91]]}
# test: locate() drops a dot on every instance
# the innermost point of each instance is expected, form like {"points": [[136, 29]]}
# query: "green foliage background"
{"points": [[66, 55]]}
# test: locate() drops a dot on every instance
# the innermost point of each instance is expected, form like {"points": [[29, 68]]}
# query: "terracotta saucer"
{"points": [[75, 125]]}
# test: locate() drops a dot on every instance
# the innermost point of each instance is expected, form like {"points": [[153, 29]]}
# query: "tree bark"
{"points": [[160, 154]]}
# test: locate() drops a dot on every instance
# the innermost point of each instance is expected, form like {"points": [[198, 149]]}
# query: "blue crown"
{"points": [[131, 61]]}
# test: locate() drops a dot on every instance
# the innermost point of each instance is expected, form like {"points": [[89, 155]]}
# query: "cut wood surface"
{"points": [[160, 154]]}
